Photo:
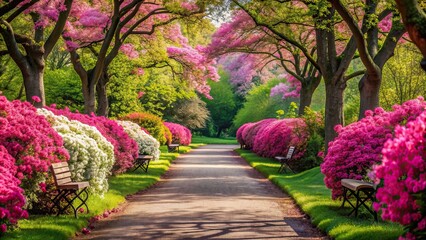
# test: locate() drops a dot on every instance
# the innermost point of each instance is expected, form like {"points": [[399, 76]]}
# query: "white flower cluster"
{"points": [[91, 154], [147, 144]]}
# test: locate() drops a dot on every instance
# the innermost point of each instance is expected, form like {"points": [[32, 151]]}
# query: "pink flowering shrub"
{"points": [[180, 134], [359, 145], [278, 136], [31, 141], [254, 129], [125, 148], [240, 131], [402, 198], [11, 195]]}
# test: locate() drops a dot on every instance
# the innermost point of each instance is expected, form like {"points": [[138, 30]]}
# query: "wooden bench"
{"points": [[285, 160], [173, 147], [362, 191], [143, 162], [68, 190]]}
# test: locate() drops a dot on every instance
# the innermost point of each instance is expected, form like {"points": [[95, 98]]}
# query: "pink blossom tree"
{"points": [[127, 19], [30, 49], [261, 48]]}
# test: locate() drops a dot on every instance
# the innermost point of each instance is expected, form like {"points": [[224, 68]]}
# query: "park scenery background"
{"points": [[96, 83]]}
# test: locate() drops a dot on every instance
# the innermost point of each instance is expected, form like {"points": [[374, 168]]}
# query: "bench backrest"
{"points": [[61, 173], [290, 152]]}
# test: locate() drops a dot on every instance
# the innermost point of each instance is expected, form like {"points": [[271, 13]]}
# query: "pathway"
{"points": [[209, 193]]}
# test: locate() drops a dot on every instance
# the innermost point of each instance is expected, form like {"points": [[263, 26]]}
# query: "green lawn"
{"points": [[309, 192], [65, 226], [210, 140]]}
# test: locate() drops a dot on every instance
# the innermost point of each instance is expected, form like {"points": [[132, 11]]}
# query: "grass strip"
{"points": [[309, 192], [65, 226], [211, 140]]}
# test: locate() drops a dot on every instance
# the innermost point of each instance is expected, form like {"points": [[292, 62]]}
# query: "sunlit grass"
{"points": [[309, 192], [210, 140], [65, 226]]}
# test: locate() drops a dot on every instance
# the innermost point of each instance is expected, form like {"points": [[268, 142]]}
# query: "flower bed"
{"points": [[278, 136], [12, 198], [91, 154], [125, 148], [31, 141], [402, 197], [147, 144], [359, 145], [180, 134]]}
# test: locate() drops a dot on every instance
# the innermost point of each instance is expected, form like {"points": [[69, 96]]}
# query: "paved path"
{"points": [[209, 193]]}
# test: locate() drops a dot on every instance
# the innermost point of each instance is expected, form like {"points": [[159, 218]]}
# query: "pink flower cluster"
{"points": [[12, 197], [403, 170], [359, 145], [31, 145], [272, 137], [180, 134], [125, 148], [289, 90], [240, 132]]}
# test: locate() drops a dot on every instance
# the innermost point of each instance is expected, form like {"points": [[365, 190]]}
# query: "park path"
{"points": [[209, 193]]}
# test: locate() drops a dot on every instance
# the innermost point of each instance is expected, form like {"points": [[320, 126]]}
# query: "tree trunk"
{"points": [[369, 87], [333, 109], [219, 131], [33, 82], [89, 94], [306, 93], [305, 99], [101, 91]]}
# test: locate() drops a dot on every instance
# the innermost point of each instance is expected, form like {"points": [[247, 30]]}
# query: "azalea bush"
{"points": [[125, 148], [32, 142], [153, 124], [402, 198], [180, 134], [359, 145], [240, 131], [252, 130], [148, 145], [279, 135], [12, 198], [91, 154]]}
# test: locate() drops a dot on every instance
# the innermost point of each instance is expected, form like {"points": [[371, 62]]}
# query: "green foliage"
{"points": [[162, 90], [315, 123], [280, 114], [123, 87], [191, 113], [63, 88], [309, 192], [223, 105], [259, 105], [403, 79], [11, 83], [292, 110], [152, 123]]}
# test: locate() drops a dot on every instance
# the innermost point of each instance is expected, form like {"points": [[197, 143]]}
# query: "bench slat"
{"points": [[63, 181], [61, 170], [355, 185], [63, 175]]}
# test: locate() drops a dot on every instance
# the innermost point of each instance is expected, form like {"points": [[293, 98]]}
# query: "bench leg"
{"points": [[360, 201], [144, 165]]}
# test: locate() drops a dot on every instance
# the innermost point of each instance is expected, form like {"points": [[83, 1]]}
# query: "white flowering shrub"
{"points": [[91, 155], [147, 144]]}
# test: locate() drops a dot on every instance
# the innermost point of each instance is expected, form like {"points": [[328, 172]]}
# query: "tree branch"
{"points": [[57, 30]]}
